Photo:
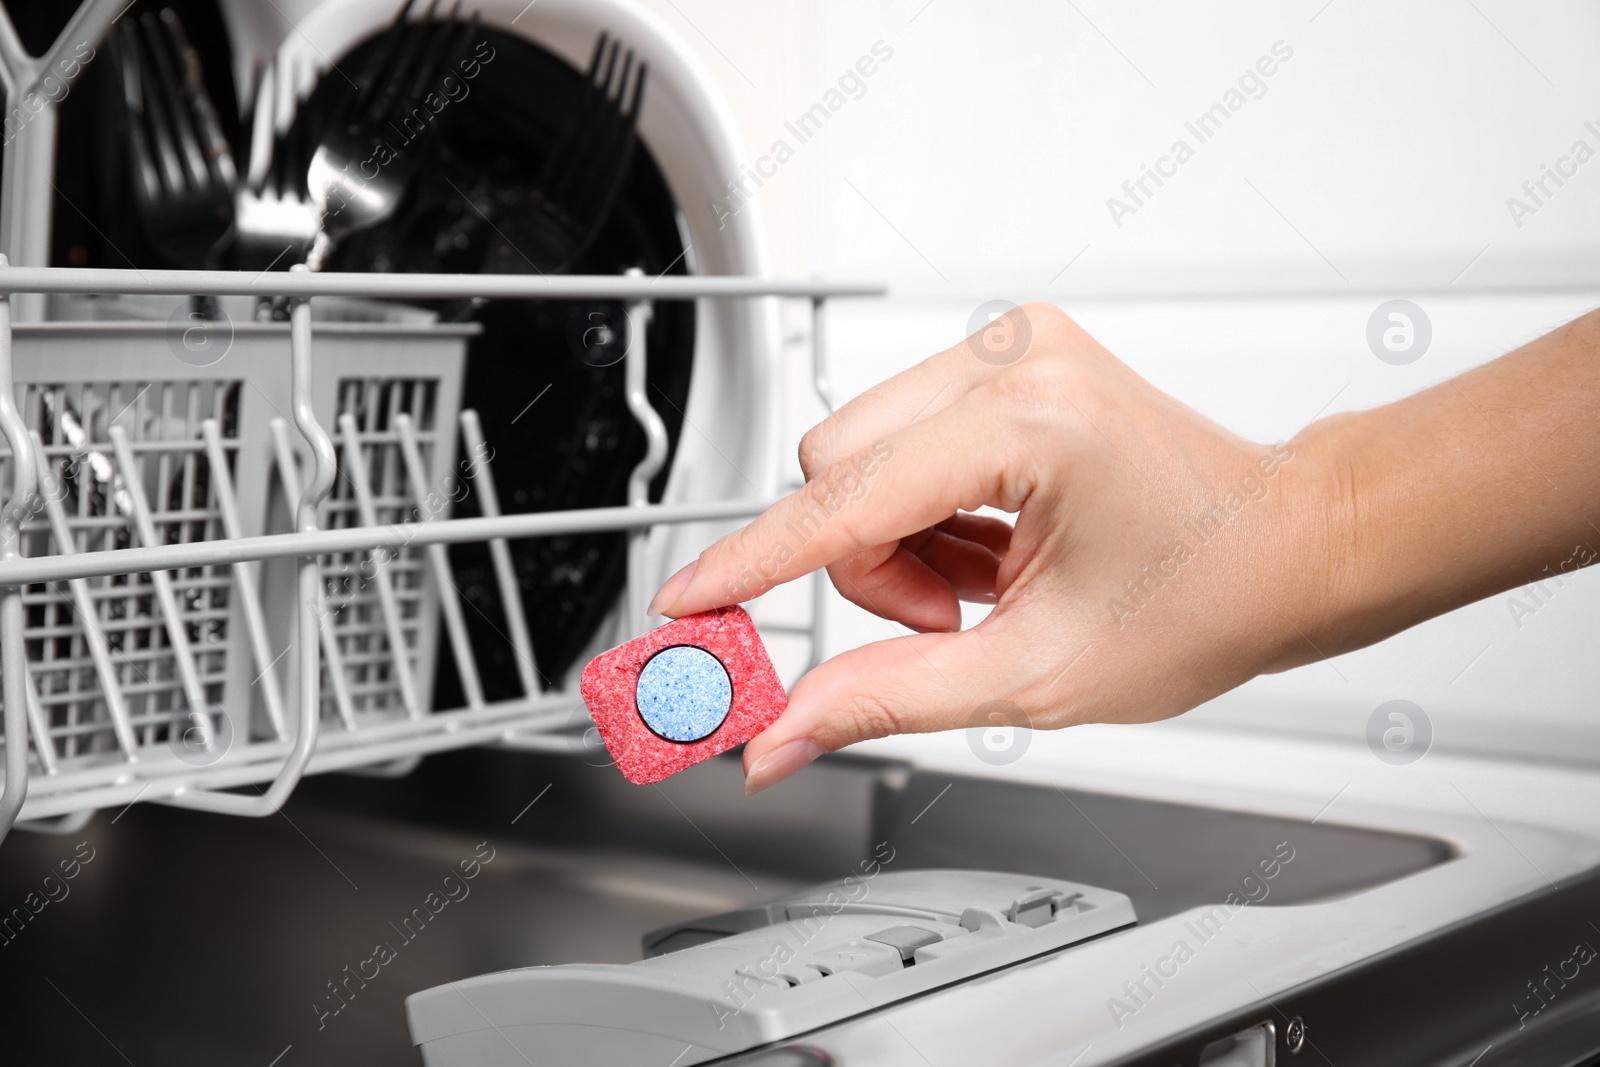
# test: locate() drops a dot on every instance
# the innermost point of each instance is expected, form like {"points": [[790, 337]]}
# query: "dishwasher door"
{"points": [[191, 939]]}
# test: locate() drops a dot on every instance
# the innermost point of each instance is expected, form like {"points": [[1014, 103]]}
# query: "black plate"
{"points": [[559, 425]]}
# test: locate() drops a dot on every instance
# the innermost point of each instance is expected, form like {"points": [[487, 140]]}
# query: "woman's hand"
{"points": [[1156, 561]]}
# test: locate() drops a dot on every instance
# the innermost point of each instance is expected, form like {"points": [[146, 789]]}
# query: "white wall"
{"points": [[1376, 164]]}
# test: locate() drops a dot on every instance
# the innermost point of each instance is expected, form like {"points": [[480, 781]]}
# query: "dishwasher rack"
{"points": [[362, 702]]}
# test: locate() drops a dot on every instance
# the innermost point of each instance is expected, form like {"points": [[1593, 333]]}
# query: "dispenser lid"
{"points": [[734, 981]]}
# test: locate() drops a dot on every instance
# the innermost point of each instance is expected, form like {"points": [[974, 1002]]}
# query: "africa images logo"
{"points": [[999, 733], [1399, 732]]}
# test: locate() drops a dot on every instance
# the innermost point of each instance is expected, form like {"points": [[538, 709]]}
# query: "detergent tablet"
{"points": [[683, 693]]}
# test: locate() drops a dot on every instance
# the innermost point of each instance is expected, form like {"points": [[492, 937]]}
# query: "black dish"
{"points": [[558, 422]]}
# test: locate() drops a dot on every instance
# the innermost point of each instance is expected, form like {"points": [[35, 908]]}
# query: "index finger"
{"points": [[923, 389], [897, 486]]}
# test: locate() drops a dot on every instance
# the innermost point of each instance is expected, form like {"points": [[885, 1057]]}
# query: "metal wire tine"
{"points": [[13, 642], [419, 286], [819, 381], [289, 478], [500, 552], [399, 648], [439, 561], [88, 611], [577, 521], [43, 747], [245, 577], [308, 588], [325, 463], [635, 377], [176, 627]]}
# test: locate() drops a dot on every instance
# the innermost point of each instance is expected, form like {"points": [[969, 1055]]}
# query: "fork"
{"points": [[183, 170], [362, 129], [275, 220], [576, 187]]}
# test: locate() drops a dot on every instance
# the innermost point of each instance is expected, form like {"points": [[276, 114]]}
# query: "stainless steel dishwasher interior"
{"points": [[189, 938]]}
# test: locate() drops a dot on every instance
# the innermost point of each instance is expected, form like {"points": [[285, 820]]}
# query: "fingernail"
{"points": [[674, 588], [780, 763]]}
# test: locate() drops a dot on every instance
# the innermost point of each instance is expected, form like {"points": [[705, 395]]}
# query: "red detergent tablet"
{"points": [[683, 693]]}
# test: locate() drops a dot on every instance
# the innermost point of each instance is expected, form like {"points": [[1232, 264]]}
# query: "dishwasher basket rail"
{"points": [[147, 650]]}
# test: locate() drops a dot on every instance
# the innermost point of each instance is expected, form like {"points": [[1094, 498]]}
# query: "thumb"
{"points": [[912, 684]]}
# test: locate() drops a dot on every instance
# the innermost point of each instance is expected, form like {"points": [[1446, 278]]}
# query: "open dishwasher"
{"points": [[239, 554]]}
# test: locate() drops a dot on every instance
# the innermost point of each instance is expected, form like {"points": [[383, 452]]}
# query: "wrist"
{"points": [[1330, 533]]}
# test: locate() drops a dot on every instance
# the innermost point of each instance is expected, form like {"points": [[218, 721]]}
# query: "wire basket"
{"points": [[111, 658], [136, 447], [199, 604]]}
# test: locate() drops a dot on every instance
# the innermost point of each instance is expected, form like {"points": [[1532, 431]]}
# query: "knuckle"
{"points": [[834, 485], [1048, 321], [1058, 339], [819, 489], [815, 449], [834, 475], [826, 497], [870, 715]]}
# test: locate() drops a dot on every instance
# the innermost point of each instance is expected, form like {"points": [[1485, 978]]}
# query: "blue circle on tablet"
{"points": [[683, 693]]}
